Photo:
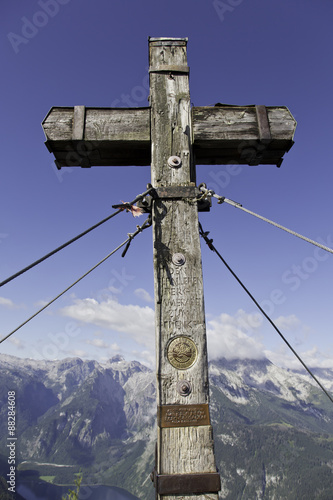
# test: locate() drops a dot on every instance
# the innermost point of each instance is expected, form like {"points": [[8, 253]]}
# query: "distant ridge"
{"points": [[273, 430]]}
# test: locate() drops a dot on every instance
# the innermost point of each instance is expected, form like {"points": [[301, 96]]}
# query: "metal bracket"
{"points": [[255, 151], [263, 123], [182, 484], [168, 68], [179, 192], [145, 205], [79, 119], [175, 193]]}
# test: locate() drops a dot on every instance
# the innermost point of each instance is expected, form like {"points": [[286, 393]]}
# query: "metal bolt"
{"points": [[178, 259], [184, 387], [174, 162]]}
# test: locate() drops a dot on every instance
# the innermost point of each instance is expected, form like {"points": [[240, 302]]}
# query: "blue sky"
{"points": [[72, 52]]}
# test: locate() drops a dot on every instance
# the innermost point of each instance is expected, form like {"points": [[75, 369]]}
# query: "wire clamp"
{"points": [[139, 229], [208, 193]]}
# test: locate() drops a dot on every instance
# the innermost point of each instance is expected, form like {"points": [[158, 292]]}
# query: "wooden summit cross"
{"points": [[171, 137]]}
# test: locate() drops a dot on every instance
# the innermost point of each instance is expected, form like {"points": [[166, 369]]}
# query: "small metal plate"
{"points": [[182, 352], [169, 68], [263, 123], [183, 484], [183, 415], [78, 123], [177, 192]]}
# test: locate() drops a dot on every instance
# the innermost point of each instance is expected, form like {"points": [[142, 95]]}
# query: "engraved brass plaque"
{"points": [[183, 415], [182, 352]]}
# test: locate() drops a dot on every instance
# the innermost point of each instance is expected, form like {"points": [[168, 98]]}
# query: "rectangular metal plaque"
{"points": [[78, 123], [263, 123], [182, 484], [183, 415], [166, 68], [175, 192]]}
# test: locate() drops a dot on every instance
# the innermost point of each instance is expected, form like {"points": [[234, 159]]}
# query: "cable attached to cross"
{"points": [[208, 193], [128, 206], [127, 242], [210, 244]]}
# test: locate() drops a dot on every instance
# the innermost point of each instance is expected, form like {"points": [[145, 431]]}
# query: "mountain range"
{"points": [[273, 428]]}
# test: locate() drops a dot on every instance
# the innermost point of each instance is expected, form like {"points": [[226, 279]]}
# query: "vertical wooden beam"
{"points": [[185, 442]]}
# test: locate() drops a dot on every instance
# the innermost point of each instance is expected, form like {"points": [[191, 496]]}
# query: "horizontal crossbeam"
{"points": [[249, 135], [246, 135]]}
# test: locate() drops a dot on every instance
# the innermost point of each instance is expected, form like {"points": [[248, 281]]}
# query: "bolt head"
{"points": [[174, 162], [178, 259], [184, 387]]}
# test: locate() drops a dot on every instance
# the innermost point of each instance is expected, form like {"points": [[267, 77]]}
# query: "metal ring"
{"points": [[184, 387], [174, 162], [178, 259]]}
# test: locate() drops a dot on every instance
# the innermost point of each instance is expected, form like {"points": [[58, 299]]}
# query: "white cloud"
{"points": [[135, 321], [237, 336], [8, 303], [147, 358], [290, 322], [106, 292], [298, 333], [79, 353], [98, 343], [313, 358], [144, 295], [99, 334], [17, 342], [115, 347], [41, 303], [227, 336]]}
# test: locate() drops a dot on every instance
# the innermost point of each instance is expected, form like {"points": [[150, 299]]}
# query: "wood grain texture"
{"points": [[121, 136], [224, 134], [111, 136], [179, 304]]}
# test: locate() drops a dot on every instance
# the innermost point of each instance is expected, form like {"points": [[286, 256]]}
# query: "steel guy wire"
{"points": [[209, 242], [223, 199], [139, 197], [146, 224]]}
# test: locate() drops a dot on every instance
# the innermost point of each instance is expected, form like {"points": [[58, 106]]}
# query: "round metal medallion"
{"points": [[182, 352]]}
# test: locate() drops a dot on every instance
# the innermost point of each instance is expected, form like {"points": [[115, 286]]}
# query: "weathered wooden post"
{"points": [[185, 462], [166, 136]]}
